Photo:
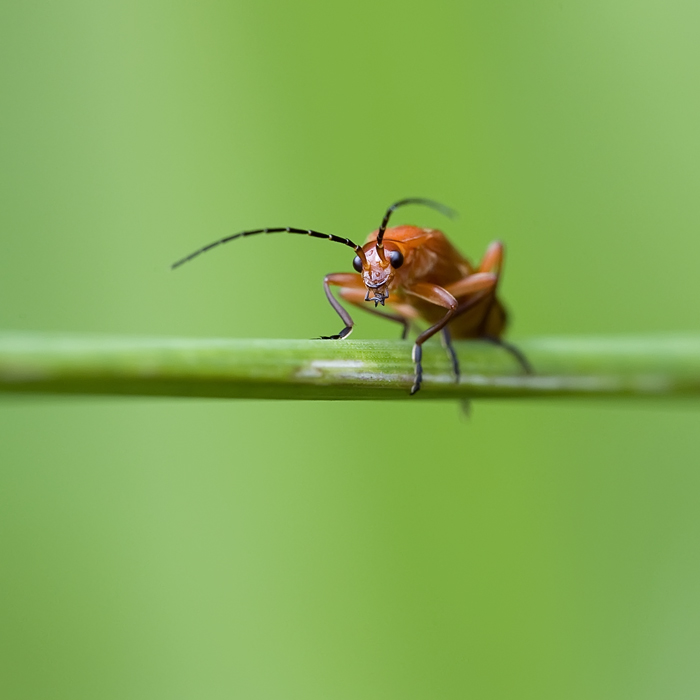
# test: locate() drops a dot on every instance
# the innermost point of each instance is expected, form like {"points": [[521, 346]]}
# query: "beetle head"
{"points": [[378, 265]]}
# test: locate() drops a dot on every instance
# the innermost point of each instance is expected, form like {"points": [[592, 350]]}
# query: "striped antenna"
{"points": [[286, 229], [447, 211]]}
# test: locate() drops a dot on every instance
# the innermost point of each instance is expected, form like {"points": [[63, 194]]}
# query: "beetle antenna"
{"points": [[286, 229], [447, 211]]}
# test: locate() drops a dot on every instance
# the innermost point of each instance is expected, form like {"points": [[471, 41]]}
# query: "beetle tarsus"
{"points": [[339, 336], [417, 357], [417, 381]]}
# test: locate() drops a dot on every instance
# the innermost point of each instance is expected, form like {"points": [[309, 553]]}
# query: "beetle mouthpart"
{"points": [[380, 294]]}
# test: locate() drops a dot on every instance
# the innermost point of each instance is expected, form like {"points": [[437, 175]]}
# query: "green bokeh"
{"points": [[178, 549]]}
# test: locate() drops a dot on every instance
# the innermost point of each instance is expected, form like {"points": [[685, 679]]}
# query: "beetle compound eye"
{"points": [[395, 258], [357, 264]]}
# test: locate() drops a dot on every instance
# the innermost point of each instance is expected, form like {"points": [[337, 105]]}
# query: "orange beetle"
{"points": [[422, 276]]}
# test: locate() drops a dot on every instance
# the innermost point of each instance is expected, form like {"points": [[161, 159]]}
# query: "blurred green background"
{"points": [[217, 549]]}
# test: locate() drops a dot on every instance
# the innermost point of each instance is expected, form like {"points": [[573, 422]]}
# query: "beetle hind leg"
{"points": [[513, 350]]}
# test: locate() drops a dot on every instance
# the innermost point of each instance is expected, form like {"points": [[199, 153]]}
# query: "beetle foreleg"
{"points": [[340, 279]]}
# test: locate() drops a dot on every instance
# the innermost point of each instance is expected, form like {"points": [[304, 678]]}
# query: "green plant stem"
{"points": [[662, 366]]}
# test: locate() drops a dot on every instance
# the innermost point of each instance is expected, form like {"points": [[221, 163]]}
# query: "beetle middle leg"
{"points": [[480, 282], [439, 296], [479, 286], [447, 343]]}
